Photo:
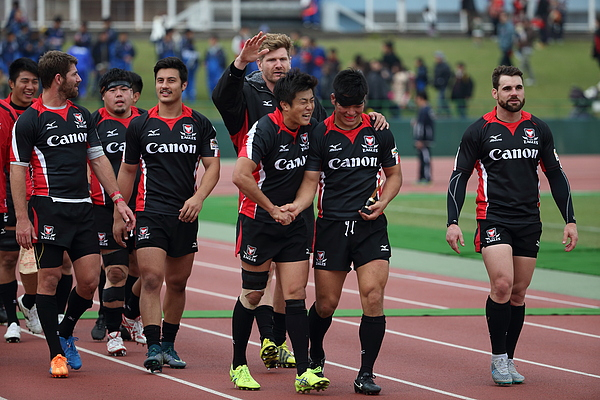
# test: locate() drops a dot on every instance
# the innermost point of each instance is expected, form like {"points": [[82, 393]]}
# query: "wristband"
{"points": [[119, 199], [113, 194]]}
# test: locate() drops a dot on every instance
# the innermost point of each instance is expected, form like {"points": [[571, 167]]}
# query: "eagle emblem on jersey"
{"points": [[79, 121], [48, 233], [304, 141], [492, 235], [188, 132], [102, 240], [370, 146], [250, 253], [144, 233], [530, 136], [320, 259]]}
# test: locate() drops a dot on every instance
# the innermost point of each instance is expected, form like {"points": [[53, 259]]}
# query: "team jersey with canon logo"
{"points": [[8, 116], [351, 164], [168, 151], [111, 132], [280, 155], [56, 144], [506, 157]]}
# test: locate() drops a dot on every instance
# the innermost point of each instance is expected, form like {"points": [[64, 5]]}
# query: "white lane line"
{"points": [[563, 330], [484, 289], [139, 368], [456, 346], [355, 292]]}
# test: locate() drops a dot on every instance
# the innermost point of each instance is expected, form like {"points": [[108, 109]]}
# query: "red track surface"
{"points": [[422, 357]]}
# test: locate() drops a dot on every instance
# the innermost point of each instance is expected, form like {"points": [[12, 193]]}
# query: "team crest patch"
{"points": [[79, 121], [304, 141], [492, 235], [369, 146], [188, 132], [48, 233], [250, 253], [214, 144], [320, 259], [102, 239], [143, 233], [530, 136]]}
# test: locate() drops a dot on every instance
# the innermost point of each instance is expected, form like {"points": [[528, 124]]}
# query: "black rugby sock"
{"points": [[371, 333], [29, 300], [169, 332], [75, 308], [517, 318], [241, 328], [296, 320], [48, 313], [129, 287], [132, 307], [498, 320], [62, 292], [113, 318], [152, 333], [264, 320], [318, 327], [8, 294], [279, 329]]}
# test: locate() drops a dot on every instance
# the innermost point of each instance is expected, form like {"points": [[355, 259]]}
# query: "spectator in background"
{"points": [[378, 86], [11, 15], [596, 42], [4, 88], [556, 19], [542, 13], [441, 79], [101, 57], [390, 58], [111, 33], [191, 59], [360, 64], [525, 39], [215, 62], [330, 70], [469, 12], [9, 51], [312, 59], [83, 36], [167, 46], [310, 13], [17, 22], [55, 36], [430, 19], [506, 39], [122, 53], [421, 78], [462, 90], [402, 83], [423, 134], [85, 66], [495, 7]]}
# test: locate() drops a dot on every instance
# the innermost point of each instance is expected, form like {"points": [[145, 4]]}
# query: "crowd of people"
{"points": [[133, 220]]}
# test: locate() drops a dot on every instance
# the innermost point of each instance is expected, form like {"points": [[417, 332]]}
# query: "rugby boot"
{"points": [[242, 379], [154, 360], [58, 367], [500, 373], [268, 353], [364, 384], [309, 381], [286, 358], [512, 370], [71, 353], [170, 356]]}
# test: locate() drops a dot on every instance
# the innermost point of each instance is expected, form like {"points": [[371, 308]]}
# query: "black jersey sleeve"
{"points": [[132, 152], [24, 136], [561, 192], [468, 149], [317, 136], [548, 156], [209, 147], [228, 97], [457, 189], [390, 156], [262, 137]]}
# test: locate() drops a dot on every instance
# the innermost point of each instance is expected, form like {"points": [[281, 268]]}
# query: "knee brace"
{"points": [[113, 294], [117, 257], [295, 307], [253, 282]]}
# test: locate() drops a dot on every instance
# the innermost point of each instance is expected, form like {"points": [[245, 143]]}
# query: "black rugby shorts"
{"points": [[524, 238]]}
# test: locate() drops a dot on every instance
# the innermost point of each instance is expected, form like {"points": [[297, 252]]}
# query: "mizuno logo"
{"points": [[268, 103], [112, 133], [51, 125], [495, 138], [335, 147], [154, 132]]}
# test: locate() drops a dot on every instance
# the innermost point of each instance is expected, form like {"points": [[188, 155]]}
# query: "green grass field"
{"points": [[557, 67], [417, 222]]}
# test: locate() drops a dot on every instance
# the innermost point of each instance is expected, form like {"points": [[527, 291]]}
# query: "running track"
{"points": [[441, 357]]}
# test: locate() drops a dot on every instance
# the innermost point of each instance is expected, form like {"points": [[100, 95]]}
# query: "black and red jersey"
{"points": [[55, 143], [111, 132], [506, 157], [350, 163], [280, 155], [8, 116], [168, 151]]}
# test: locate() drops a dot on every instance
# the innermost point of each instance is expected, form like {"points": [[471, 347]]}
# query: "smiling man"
{"points": [[506, 146], [169, 143], [268, 172], [55, 139]]}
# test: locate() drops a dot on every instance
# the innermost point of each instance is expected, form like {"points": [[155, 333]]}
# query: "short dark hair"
{"points": [[20, 65], [291, 83], [349, 86], [422, 94], [508, 70], [54, 62], [114, 75], [136, 82], [172, 62]]}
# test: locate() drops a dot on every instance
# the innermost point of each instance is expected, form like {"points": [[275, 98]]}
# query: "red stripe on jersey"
{"points": [[477, 239], [482, 196], [238, 241], [39, 184], [239, 138], [330, 124], [35, 224], [185, 112], [511, 126], [247, 206], [277, 118], [140, 200], [63, 112]]}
